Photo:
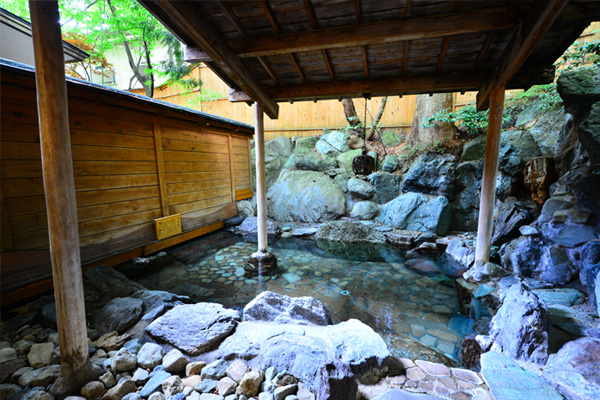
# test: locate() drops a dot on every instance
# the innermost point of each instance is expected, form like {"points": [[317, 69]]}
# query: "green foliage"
{"points": [[580, 53], [467, 120], [205, 95], [546, 95]]}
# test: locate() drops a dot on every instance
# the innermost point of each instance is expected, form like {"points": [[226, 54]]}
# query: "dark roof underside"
{"points": [[315, 49]]}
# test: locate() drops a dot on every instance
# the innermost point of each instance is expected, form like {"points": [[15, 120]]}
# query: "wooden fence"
{"points": [[307, 118]]}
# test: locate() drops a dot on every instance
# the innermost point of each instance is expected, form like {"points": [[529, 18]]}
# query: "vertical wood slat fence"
{"points": [[134, 161]]}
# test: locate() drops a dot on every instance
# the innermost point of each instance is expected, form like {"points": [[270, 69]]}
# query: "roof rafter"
{"points": [[528, 34], [203, 34]]}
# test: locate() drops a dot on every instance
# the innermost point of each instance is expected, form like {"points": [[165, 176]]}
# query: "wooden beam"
{"points": [[233, 18], [484, 49], [527, 36], [261, 191], [271, 16], [269, 70], [405, 57], [358, 11], [443, 54], [194, 54], [191, 20], [328, 64], [297, 66], [59, 188], [310, 10], [365, 61], [377, 87], [490, 170], [408, 8], [377, 32]]}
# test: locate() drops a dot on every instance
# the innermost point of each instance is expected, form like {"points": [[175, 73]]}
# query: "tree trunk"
{"points": [[350, 113], [377, 118], [426, 107]]}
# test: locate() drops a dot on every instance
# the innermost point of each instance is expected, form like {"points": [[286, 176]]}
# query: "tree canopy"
{"points": [[99, 26]]}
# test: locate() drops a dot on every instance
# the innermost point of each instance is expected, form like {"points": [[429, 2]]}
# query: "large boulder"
{"points": [[520, 327], [281, 145], [509, 160], [580, 88], [523, 143], [349, 232], [575, 370], [474, 149], [589, 133], [195, 328], [511, 216], [432, 174], [250, 227], [106, 283], [364, 210], [119, 314], [590, 268], [417, 212], [307, 142], [280, 309], [273, 166], [360, 188], [310, 160], [546, 132], [461, 252], [465, 208], [539, 173], [305, 196], [333, 143], [387, 186]]}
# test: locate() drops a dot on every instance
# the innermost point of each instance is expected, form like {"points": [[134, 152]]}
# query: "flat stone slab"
{"points": [[508, 381], [564, 297], [398, 394], [195, 328]]}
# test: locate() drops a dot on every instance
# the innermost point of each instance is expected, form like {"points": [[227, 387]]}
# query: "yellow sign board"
{"points": [[168, 226]]}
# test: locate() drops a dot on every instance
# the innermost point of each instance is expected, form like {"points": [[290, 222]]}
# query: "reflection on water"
{"points": [[378, 285]]}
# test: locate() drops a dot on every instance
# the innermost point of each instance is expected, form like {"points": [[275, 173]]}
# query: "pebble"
{"points": [[93, 390], [174, 362], [123, 361], [40, 354], [172, 385], [150, 355], [194, 368], [214, 370], [226, 386]]}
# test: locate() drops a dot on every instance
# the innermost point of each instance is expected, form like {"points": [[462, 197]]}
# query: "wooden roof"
{"points": [[320, 49]]}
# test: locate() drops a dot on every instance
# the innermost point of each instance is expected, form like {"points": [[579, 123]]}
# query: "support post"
{"points": [[261, 191], [59, 188], [490, 170], [262, 262]]}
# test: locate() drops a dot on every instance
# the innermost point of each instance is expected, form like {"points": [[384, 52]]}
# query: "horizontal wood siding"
{"points": [[117, 178]]}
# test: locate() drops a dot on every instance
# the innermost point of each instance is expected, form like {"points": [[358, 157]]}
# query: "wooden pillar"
{"points": [[59, 186], [261, 191], [490, 170]]}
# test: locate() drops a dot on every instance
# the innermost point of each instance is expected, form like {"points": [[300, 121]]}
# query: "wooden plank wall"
{"points": [[307, 118], [130, 167]]}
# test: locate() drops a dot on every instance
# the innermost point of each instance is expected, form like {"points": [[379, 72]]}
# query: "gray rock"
{"points": [[461, 252], [333, 143], [135, 396], [358, 346], [150, 355], [236, 370], [124, 361], [140, 377], [302, 232], [215, 370], [555, 266], [387, 186], [433, 174], [511, 216], [8, 389], [309, 160], [348, 232], [524, 144], [133, 346], [589, 269], [305, 196], [226, 386], [93, 390], [345, 159], [172, 385], [562, 296], [574, 371], [580, 88], [465, 208], [417, 212], [589, 133], [281, 145], [546, 132], [174, 361], [9, 354], [361, 189], [110, 283], [283, 392], [48, 314], [40, 354], [390, 139], [390, 163], [273, 307], [195, 328], [245, 208], [507, 380], [481, 272], [119, 391], [336, 382], [301, 356], [528, 230], [250, 227], [35, 393], [474, 150], [206, 385], [530, 115], [509, 162], [307, 142], [8, 368], [520, 327], [364, 210], [119, 314]]}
